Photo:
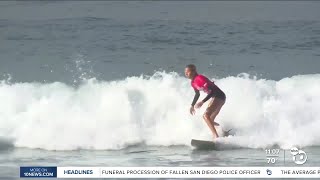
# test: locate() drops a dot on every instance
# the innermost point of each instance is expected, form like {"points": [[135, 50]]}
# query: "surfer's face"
{"points": [[189, 73]]}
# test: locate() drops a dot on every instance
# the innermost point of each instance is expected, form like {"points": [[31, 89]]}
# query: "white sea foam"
{"points": [[155, 110]]}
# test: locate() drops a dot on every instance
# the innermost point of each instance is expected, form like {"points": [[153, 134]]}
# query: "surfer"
{"points": [[200, 82]]}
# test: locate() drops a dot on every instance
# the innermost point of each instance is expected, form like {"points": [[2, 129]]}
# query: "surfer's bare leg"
{"points": [[217, 108], [211, 113], [211, 126]]}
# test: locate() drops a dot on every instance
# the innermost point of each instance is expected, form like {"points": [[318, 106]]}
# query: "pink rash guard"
{"points": [[202, 83]]}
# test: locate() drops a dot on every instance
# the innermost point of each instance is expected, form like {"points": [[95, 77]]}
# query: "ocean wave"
{"points": [[154, 110]]}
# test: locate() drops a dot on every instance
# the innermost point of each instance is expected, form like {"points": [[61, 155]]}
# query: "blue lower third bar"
{"points": [[38, 172]]}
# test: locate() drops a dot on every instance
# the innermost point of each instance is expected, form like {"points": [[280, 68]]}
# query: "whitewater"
{"points": [[111, 115]]}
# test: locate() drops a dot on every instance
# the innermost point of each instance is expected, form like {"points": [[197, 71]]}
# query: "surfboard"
{"points": [[204, 145], [210, 145]]}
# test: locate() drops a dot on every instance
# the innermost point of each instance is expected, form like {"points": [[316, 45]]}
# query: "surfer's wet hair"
{"points": [[191, 67]]}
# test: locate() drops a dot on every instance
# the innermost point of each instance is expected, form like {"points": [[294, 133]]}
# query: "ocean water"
{"points": [[101, 83]]}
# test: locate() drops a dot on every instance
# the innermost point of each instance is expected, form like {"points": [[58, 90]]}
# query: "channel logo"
{"points": [[38, 172], [299, 156]]}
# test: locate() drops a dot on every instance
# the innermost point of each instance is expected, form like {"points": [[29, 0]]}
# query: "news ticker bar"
{"points": [[169, 172]]}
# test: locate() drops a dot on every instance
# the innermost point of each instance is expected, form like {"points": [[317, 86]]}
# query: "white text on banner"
{"points": [[188, 172]]}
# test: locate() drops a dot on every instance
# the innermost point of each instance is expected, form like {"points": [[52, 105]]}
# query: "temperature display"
{"points": [[272, 155]]}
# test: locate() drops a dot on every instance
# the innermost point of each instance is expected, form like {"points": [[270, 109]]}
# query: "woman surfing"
{"points": [[214, 93]]}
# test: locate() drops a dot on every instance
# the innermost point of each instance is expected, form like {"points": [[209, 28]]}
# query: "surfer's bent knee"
{"points": [[206, 115]]}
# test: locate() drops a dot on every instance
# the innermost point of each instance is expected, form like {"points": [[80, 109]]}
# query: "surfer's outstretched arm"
{"points": [[195, 99], [210, 95]]}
